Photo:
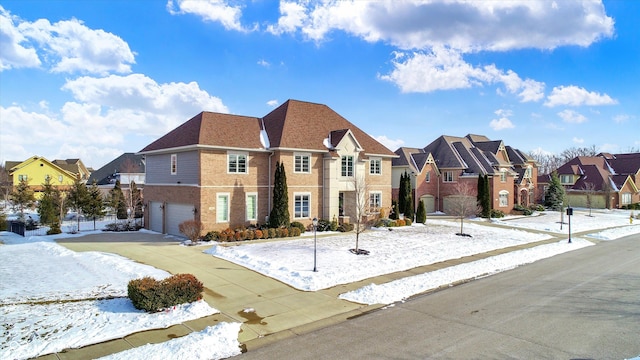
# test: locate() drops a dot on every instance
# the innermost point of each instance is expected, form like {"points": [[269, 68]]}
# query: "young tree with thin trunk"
{"points": [[463, 203], [23, 197], [590, 193], [361, 192], [77, 198], [94, 208]]}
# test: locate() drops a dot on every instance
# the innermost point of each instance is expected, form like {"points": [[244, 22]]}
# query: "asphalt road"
{"points": [[580, 305]]}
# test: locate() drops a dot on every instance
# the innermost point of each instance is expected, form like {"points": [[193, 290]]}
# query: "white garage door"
{"points": [[155, 216], [429, 203], [177, 213]]}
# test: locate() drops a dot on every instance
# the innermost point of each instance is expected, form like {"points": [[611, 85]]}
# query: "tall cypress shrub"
{"points": [[487, 198], [421, 213], [408, 201], [401, 195], [480, 196], [279, 215]]}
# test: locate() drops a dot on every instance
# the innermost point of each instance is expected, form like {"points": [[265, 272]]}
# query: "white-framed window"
{"points": [[447, 176], [375, 166], [375, 201], [504, 198], [528, 172], [566, 179], [47, 177], [60, 178], [503, 175], [625, 198], [347, 165], [237, 163], [222, 207], [174, 164], [302, 163], [427, 176], [301, 205], [23, 178], [251, 201]]}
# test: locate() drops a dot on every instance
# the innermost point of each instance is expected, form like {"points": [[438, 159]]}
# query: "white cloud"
{"points": [[107, 115], [463, 25], [15, 50], [264, 63], [444, 69], [273, 103], [541, 151], [501, 124], [389, 143], [572, 117], [66, 46], [576, 96], [293, 17], [577, 140], [210, 10]]}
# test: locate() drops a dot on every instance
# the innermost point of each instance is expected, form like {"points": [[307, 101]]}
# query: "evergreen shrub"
{"points": [[151, 295]]}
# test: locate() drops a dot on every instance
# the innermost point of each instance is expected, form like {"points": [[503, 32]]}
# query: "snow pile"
{"points": [[214, 342], [398, 290], [38, 329], [52, 298]]}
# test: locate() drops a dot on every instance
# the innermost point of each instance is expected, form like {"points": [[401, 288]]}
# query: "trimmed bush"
{"points": [[272, 233], [299, 225], [151, 295], [408, 222], [211, 236], [496, 213], [346, 227], [258, 234], [400, 222]]}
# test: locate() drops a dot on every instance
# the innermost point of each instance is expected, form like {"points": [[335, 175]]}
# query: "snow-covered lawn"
{"points": [[404, 248], [291, 261], [52, 298]]}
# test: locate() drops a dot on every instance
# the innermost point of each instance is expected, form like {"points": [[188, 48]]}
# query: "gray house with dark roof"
{"points": [[219, 168], [447, 161]]}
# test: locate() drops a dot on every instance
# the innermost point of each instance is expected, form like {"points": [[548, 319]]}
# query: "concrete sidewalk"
{"points": [[280, 310]]}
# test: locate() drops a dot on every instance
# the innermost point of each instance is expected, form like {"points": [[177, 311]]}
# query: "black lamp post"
{"points": [[315, 248]]}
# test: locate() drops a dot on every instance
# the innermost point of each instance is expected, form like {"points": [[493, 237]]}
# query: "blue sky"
{"points": [[94, 79]]}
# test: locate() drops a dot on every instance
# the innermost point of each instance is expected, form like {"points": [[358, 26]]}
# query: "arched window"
{"points": [[504, 198]]}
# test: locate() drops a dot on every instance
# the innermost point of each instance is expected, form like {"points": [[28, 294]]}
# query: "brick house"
{"points": [[601, 181], [447, 161], [219, 168]]}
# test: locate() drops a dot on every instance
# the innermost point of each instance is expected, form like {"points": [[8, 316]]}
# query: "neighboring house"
{"points": [[36, 170], [126, 168], [605, 180], [219, 168], [437, 169]]}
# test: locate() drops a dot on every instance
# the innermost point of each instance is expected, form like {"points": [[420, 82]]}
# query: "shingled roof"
{"points": [[126, 163], [211, 129], [304, 125], [293, 125]]}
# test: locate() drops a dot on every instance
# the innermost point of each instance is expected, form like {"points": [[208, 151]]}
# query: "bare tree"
{"points": [[6, 186], [463, 203], [590, 192], [361, 192], [548, 162]]}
